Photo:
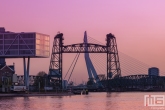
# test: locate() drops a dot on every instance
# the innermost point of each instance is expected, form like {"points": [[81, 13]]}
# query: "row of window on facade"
{"points": [[27, 41], [25, 52], [20, 52], [42, 42], [14, 36], [24, 36], [42, 47], [40, 52], [42, 37], [6, 47]]}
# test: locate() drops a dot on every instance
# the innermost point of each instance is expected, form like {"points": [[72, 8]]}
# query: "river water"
{"points": [[93, 101]]}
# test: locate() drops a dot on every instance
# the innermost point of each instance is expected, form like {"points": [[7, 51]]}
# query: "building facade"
{"points": [[153, 71], [6, 74], [24, 44]]}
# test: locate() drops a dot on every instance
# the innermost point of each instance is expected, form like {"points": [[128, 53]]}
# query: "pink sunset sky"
{"points": [[139, 27]]}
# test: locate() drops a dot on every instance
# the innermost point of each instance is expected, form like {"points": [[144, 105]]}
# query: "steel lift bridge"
{"points": [[113, 64]]}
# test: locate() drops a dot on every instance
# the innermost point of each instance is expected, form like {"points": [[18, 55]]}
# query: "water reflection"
{"points": [[60, 104], [93, 101]]}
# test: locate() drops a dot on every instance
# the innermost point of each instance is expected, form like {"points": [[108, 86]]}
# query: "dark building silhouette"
{"points": [[153, 71], [6, 74]]}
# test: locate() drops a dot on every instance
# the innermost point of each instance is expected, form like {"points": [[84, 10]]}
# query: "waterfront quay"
{"points": [[33, 94]]}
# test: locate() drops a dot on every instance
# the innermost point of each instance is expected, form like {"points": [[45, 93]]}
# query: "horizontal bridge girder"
{"points": [[81, 48], [84, 52], [83, 45]]}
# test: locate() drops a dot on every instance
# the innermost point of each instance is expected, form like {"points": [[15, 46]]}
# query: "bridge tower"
{"points": [[90, 68], [113, 64], [55, 68]]}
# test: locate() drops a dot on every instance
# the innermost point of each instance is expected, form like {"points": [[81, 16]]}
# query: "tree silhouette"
{"points": [[40, 80]]}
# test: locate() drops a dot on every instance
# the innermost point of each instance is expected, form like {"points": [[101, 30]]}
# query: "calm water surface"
{"points": [[93, 101]]}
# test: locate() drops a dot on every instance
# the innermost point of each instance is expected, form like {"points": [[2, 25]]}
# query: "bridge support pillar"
{"points": [[26, 72]]}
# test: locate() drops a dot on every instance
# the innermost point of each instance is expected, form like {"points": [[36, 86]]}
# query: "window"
{"points": [[10, 36], [37, 41], [1, 41], [12, 52], [37, 52], [1, 36], [27, 36], [8, 41], [14, 47], [29, 41], [37, 46], [25, 52], [37, 36], [1, 46]]}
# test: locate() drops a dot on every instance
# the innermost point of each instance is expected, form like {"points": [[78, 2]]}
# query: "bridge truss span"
{"points": [[80, 48], [113, 64]]}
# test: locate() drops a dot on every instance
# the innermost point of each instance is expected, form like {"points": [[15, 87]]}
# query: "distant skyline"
{"points": [[139, 27]]}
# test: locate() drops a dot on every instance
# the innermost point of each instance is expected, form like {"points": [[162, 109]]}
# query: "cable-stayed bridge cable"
{"points": [[74, 66], [71, 65]]}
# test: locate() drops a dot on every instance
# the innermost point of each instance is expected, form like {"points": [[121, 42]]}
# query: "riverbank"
{"points": [[33, 94]]}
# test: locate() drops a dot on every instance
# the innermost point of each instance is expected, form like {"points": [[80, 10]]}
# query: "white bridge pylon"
{"points": [[90, 68]]}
